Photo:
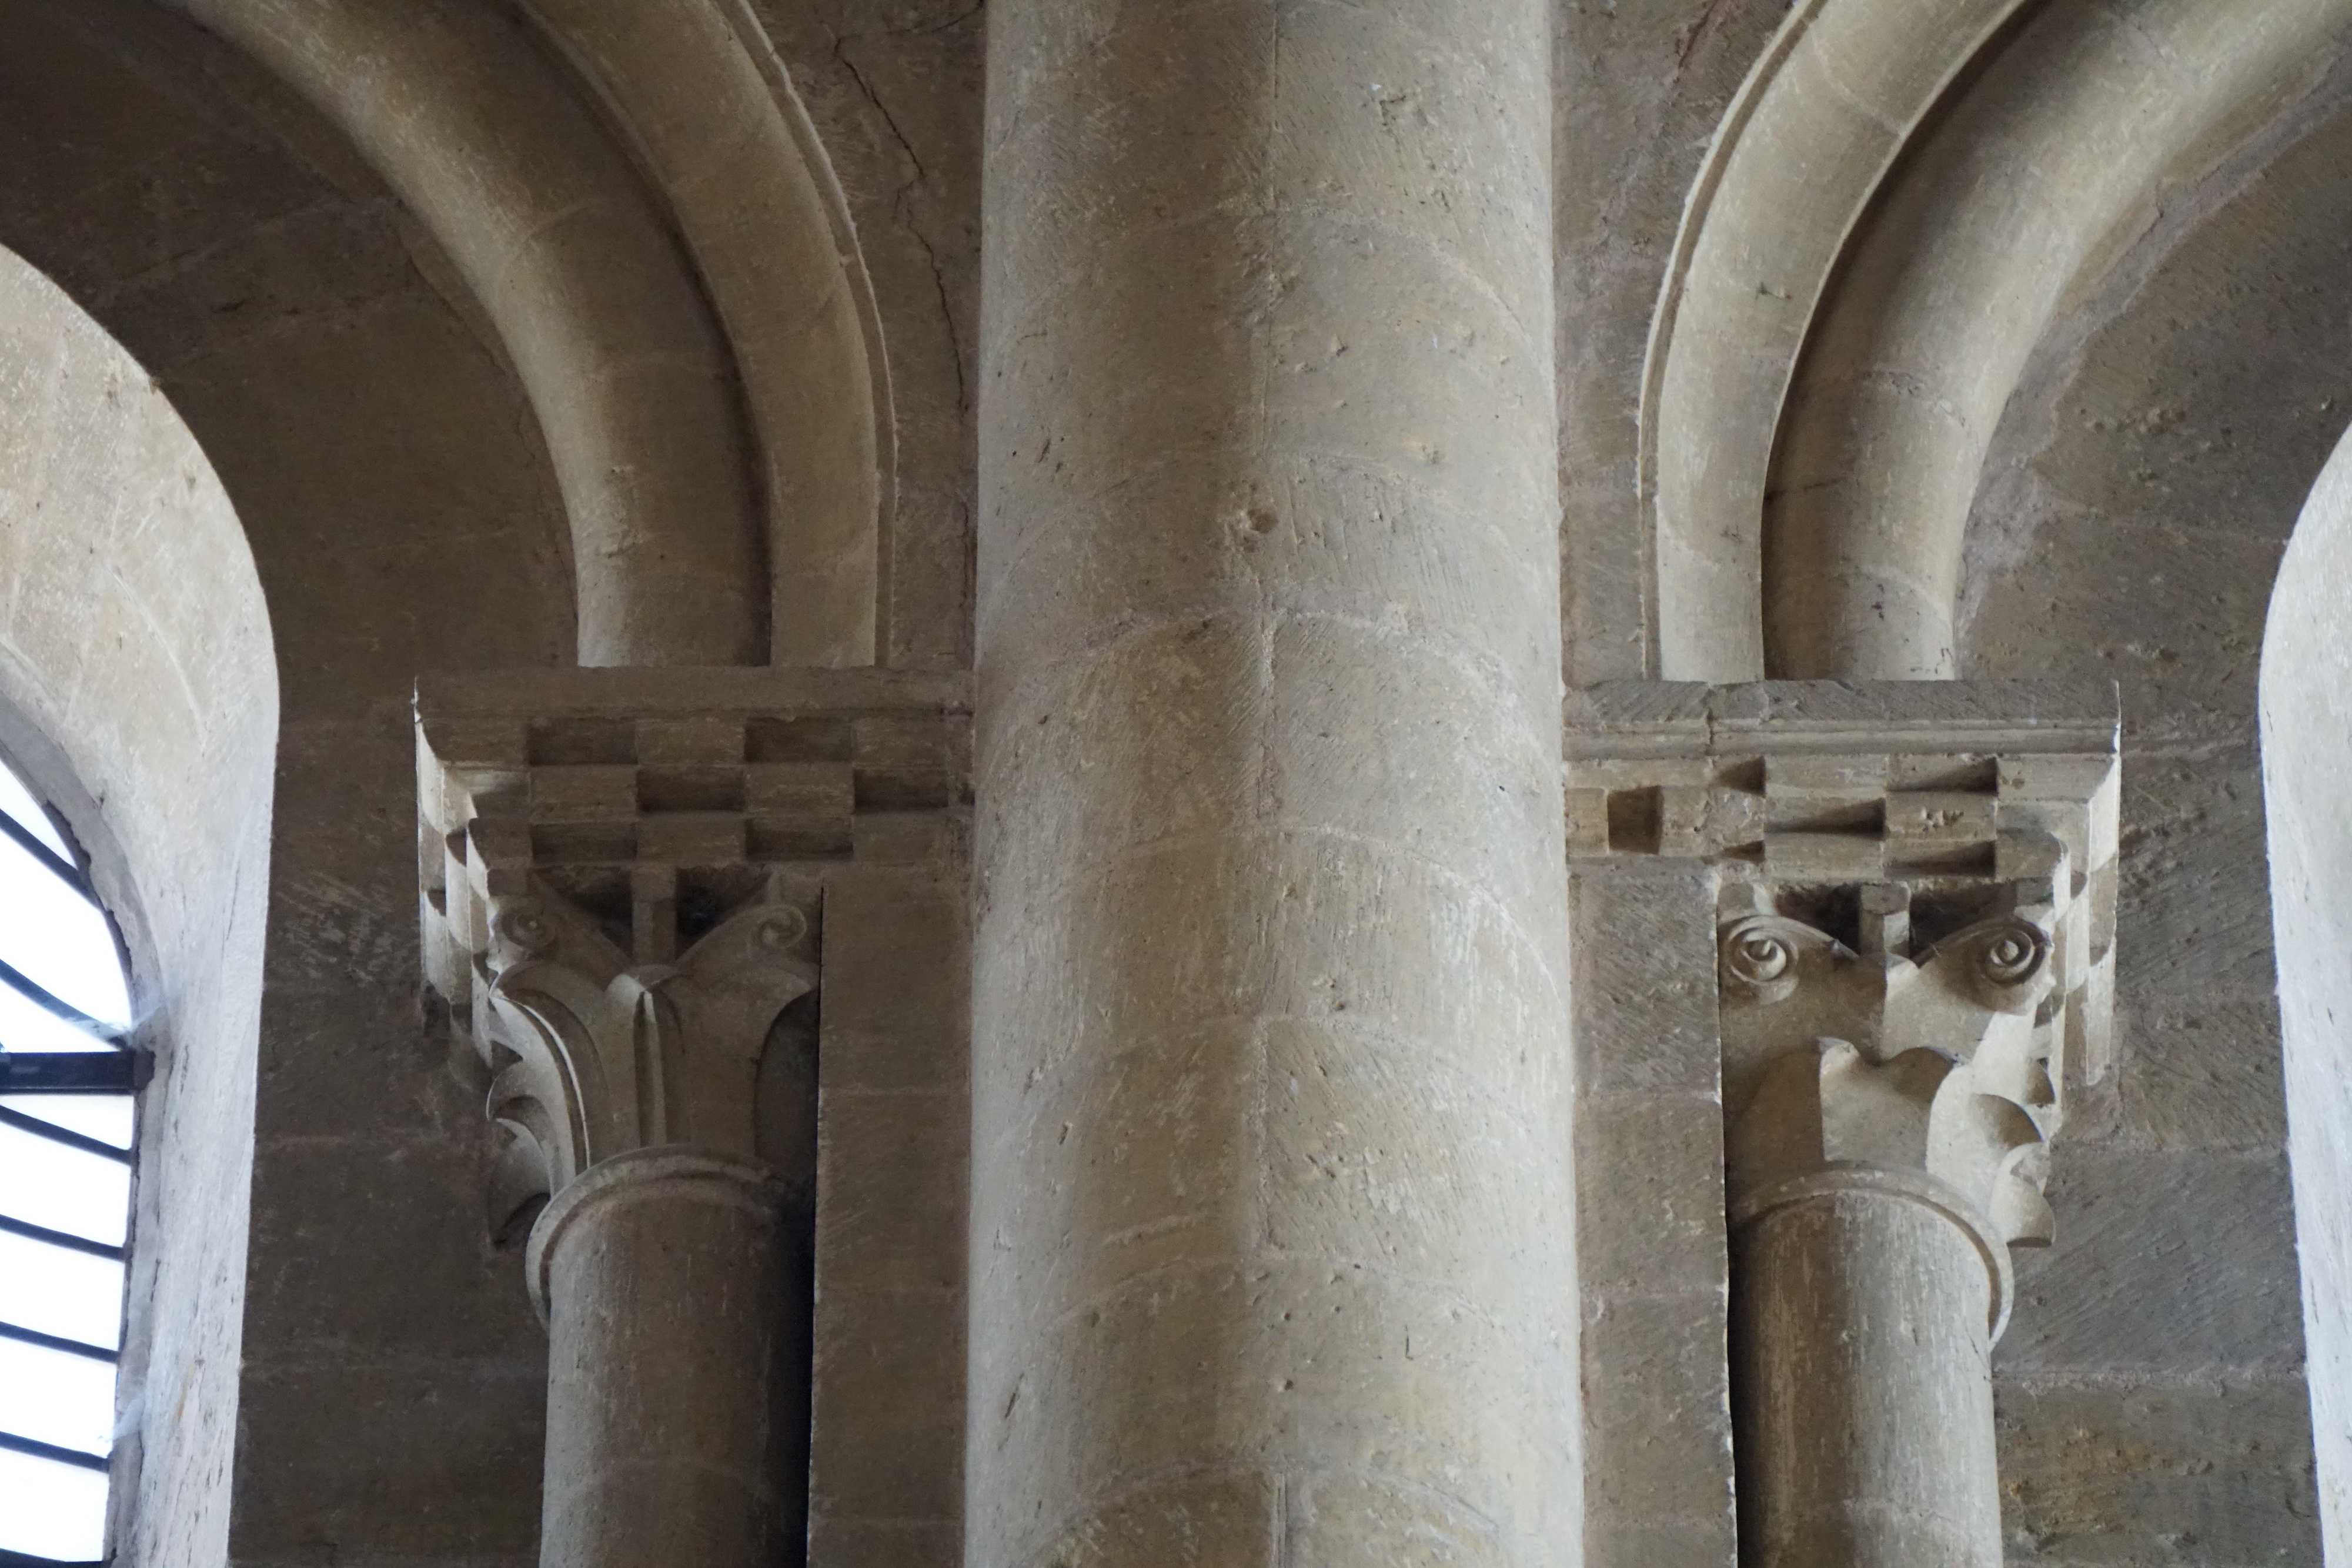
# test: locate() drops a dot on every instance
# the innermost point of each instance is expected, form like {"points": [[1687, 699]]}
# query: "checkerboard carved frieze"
{"points": [[622, 877], [1915, 922]]}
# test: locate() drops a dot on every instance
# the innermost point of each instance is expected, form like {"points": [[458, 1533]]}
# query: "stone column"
{"points": [[662, 1277], [1861, 1362], [1914, 915], [624, 874], [1271, 1226], [664, 1264], [1890, 1098]]}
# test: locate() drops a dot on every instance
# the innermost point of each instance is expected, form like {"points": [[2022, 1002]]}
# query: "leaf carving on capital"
{"points": [[1940, 1066], [593, 1055]]}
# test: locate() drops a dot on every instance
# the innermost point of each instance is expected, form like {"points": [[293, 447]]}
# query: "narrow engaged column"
{"points": [[662, 1276], [1915, 888], [1878, 1176], [1272, 1216], [638, 972], [1863, 1380]]}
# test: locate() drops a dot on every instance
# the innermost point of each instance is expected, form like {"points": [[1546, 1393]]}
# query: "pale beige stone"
{"points": [[1861, 1354], [607, 328], [624, 880], [1881, 1099], [1268, 971], [1289, 294], [2116, 114], [672, 1363], [138, 695]]}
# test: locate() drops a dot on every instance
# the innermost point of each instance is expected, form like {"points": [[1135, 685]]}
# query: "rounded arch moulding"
{"points": [[640, 208], [1857, 285]]}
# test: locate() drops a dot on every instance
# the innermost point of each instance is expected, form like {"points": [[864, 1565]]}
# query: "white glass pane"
{"points": [[46, 1184], [27, 1026], [106, 1117], [53, 1398], [55, 935], [19, 802], [54, 1292], [51, 1510]]}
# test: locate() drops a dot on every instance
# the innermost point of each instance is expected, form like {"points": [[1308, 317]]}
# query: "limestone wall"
{"points": [[397, 460], [401, 516]]}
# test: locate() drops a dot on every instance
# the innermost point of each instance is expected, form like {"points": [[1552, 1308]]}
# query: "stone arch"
{"points": [[139, 692], [2131, 513], [679, 295], [1807, 141], [2307, 734], [697, 89], [1857, 287], [2121, 381], [1959, 275], [402, 514]]}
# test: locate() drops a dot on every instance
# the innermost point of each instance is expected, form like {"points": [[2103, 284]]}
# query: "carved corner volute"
{"points": [[621, 876]]}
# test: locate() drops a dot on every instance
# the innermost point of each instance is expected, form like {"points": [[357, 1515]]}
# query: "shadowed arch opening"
{"points": [[641, 213], [2062, 151]]}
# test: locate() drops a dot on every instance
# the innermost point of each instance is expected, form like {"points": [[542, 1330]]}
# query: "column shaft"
{"points": [[1862, 1387], [671, 1375], [1272, 1219]]}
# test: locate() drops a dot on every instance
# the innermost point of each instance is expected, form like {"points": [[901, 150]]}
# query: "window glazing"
{"points": [[66, 1124]]}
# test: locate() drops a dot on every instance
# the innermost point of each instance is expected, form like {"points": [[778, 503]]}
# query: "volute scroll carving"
{"points": [[1910, 891], [1760, 955], [595, 1055], [1941, 1062], [621, 876]]}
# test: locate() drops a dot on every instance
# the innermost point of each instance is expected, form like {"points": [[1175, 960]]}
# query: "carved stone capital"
{"points": [[1940, 1063], [1915, 924], [622, 875], [597, 1056]]}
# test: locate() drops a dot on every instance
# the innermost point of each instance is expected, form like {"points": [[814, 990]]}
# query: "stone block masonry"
{"points": [[636, 888], [1876, 951]]}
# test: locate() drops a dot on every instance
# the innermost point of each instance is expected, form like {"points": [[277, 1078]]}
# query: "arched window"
{"points": [[139, 700], [67, 1077]]}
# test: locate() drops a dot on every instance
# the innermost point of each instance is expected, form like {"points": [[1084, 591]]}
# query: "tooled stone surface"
{"points": [[597, 1055], [1916, 910], [622, 875], [1942, 1064]]}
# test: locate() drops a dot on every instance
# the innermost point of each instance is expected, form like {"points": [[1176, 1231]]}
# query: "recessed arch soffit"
{"points": [[384, 468], [2150, 465], [1898, 206], [636, 202]]}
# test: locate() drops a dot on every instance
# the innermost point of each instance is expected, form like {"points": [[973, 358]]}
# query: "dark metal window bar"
{"points": [[57, 1135], [64, 870], [121, 1069]]}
